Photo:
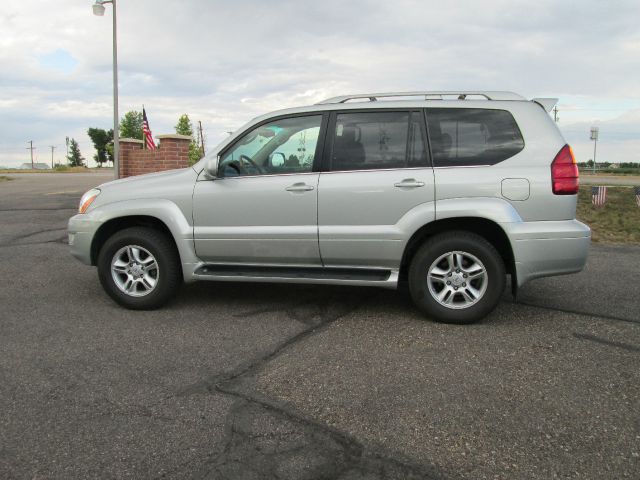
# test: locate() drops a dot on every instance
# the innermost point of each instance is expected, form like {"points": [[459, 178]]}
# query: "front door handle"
{"points": [[409, 183], [299, 187]]}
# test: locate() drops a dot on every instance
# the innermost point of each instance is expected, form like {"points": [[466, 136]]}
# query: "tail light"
{"points": [[564, 172]]}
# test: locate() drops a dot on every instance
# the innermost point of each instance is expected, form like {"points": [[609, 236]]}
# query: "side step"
{"points": [[322, 275]]}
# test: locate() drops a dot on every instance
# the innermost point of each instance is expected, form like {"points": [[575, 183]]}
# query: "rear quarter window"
{"points": [[472, 136]]}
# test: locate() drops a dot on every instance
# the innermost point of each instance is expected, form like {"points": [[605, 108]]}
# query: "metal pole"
{"points": [[201, 137], [116, 133], [31, 148], [52, 149], [595, 142]]}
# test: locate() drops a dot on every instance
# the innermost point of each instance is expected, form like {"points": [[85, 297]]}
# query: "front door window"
{"points": [[282, 146]]}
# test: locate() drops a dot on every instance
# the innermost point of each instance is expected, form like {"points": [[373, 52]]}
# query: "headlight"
{"points": [[87, 199]]}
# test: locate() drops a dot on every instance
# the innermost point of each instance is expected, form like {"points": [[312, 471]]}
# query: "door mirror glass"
{"points": [[277, 159]]}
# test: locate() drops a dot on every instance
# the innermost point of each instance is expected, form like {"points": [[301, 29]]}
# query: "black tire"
{"points": [[456, 241], [169, 272]]}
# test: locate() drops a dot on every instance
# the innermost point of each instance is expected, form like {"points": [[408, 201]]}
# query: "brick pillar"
{"points": [[174, 151], [127, 145]]}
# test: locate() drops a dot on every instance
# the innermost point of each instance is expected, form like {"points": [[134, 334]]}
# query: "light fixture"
{"points": [[98, 9]]}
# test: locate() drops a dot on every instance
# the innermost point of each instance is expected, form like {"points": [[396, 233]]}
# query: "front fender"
{"points": [[164, 210]]}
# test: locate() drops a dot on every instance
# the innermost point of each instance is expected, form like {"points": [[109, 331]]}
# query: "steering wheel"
{"points": [[244, 158]]}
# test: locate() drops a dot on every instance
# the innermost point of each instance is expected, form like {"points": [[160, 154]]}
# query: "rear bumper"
{"points": [[544, 249]]}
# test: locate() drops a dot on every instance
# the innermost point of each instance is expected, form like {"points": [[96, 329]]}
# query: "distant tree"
{"points": [[131, 125], [109, 149], [101, 139], [75, 158], [185, 127], [629, 165]]}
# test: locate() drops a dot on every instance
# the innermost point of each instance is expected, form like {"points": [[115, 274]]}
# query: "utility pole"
{"points": [[201, 137], [32, 148], [555, 114], [594, 137], [67, 157], [52, 149]]}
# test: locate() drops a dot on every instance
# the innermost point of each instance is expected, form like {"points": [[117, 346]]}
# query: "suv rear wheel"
{"points": [[139, 268], [456, 277]]}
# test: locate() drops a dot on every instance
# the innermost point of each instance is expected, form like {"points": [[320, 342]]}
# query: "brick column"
{"points": [[174, 151], [127, 145]]}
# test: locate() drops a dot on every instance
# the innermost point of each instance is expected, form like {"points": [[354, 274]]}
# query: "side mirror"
{"points": [[211, 167], [278, 159]]}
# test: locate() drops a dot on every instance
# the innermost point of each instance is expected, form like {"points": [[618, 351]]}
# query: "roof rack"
{"points": [[428, 95]]}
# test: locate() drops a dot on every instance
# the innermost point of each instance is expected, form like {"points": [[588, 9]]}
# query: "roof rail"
{"points": [[435, 95]]}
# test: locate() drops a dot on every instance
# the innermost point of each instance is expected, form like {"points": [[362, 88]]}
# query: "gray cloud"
{"points": [[225, 62]]}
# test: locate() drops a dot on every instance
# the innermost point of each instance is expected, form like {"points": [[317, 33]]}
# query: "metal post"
{"points": [[52, 149], [201, 137], [594, 137], [30, 147], [116, 133]]}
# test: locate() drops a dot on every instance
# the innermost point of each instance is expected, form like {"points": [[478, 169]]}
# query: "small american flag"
{"points": [[636, 191], [598, 196], [146, 131]]}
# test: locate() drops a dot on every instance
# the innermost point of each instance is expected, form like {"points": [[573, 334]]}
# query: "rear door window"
{"points": [[378, 140], [472, 136]]}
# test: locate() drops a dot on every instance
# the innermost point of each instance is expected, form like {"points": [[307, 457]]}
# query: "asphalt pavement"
{"points": [[259, 381]]}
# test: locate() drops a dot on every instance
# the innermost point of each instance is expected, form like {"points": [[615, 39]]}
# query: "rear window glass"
{"points": [[378, 140], [472, 136], [370, 140]]}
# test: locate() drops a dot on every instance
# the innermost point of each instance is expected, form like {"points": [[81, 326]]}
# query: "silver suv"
{"points": [[446, 191]]}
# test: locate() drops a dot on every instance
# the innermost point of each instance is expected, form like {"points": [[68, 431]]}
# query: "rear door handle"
{"points": [[299, 187], [409, 183]]}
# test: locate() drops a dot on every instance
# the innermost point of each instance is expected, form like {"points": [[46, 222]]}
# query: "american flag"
{"points": [[598, 196], [146, 131], [636, 191]]}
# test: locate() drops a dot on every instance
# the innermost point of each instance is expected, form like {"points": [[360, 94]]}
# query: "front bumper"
{"points": [[81, 230], [544, 249]]}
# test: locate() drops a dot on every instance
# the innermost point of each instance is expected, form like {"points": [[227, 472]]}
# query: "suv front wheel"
{"points": [[139, 268], [456, 277]]}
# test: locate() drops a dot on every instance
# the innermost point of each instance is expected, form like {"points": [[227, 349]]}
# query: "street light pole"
{"points": [[594, 136], [98, 9]]}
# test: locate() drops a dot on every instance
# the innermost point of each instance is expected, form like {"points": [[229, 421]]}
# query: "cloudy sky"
{"points": [[224, 62]]}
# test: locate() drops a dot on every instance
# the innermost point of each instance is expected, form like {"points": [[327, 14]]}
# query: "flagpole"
{"points": [[144, 138]]}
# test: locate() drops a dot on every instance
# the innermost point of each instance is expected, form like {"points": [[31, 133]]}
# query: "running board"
{"points": [[278, 274]]}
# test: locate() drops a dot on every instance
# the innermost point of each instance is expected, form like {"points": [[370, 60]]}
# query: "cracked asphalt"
{"points": [[258, 381]]}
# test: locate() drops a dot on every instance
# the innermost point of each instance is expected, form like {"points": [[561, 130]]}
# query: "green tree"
{"points": [[185, 127], [101, 139], [131, 125], [75, 158]]}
